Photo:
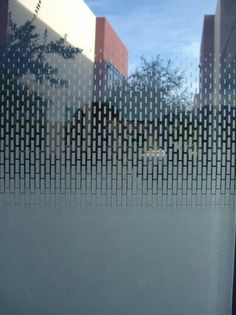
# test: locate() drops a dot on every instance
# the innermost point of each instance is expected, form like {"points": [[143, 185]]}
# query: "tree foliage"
{"points": [[156, 72], [159, 80]]}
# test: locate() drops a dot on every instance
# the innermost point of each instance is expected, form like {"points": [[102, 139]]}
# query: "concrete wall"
{"points": [[217, 49], [228, 51], [207, 60], [228, 27], [225, 52]]}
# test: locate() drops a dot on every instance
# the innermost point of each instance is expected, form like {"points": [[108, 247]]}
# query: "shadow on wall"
{"points": [[78, 72]]}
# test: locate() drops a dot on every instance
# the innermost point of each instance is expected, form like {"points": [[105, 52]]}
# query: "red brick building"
{"points": [[111, 59]]}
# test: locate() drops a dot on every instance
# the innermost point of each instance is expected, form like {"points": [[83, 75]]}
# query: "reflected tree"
{"points": [[154, 93]]}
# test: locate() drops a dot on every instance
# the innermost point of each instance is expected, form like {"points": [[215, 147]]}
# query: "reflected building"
{"points": [[218, 54], [207, 61], [102, 63], [3, 19], [72, 18], [111, 59]]}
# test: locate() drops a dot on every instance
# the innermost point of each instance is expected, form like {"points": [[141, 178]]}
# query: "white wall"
{"points": [[72, 17], [60, 17]]}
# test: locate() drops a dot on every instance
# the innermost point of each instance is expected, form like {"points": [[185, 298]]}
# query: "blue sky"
{"points": [[170, 28]]}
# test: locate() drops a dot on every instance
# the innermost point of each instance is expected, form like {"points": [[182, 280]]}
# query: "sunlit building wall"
{"points": [[71, 17], [74, 19]]}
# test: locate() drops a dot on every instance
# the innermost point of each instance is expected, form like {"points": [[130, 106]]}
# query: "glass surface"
{"points": [[117, 157]]}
